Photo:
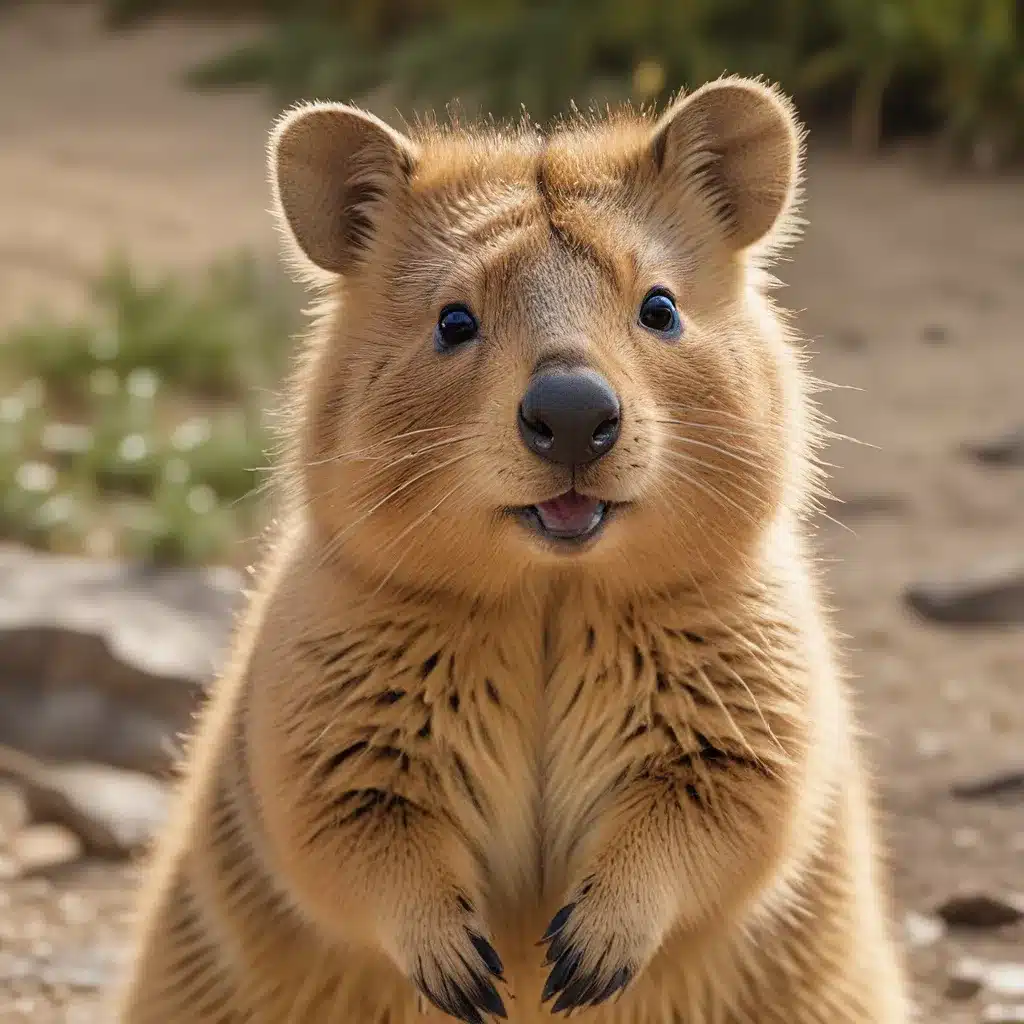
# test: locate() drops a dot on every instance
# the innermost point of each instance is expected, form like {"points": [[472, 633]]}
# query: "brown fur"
{"points": [[434, 726]]}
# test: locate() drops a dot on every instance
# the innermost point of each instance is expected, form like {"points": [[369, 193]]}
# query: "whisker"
{"points": [[714, 492], [721, 428], [412, 526], [710, 410], [686, 439], [337, 538], [342, 456]]}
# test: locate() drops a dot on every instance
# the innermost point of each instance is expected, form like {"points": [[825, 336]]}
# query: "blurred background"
{"points": [[145, 324]]}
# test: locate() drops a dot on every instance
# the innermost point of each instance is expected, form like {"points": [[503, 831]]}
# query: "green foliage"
{"points": [[141, 429], [956, 65]]}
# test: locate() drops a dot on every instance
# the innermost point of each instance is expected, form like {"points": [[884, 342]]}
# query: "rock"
{"points": [[960, 989], [935, 334], [125, 809], [1006, 449], [41, 848], [866, 506], [979, 910], [966, 838], [999, 1013], [922, 929], [13, 811], [8, 867], [851, 339], [1003, 784], [81, 969], [113, 812], [105, 662], [992, 595], [15, 968], [966, 979], [931, 744], [1006, 980]]}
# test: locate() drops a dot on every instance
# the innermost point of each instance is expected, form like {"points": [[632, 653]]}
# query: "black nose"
{"points": [[569, 417]]}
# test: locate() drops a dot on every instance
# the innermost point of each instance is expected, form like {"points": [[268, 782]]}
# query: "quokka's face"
{"points": [[544, 354]]}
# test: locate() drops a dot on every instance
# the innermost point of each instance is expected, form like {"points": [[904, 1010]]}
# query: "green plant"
{"points": [[141, 428], [957, 65]]}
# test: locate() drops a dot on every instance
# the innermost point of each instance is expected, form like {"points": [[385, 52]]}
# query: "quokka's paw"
{"points": [[597, 943], [446, 955]]}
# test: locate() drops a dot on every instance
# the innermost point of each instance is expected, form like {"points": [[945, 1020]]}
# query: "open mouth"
{"points": [[571, 519]]}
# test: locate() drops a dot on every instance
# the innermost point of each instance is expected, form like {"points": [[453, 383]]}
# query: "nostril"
{"points": [[605, 435], [541, 435]]}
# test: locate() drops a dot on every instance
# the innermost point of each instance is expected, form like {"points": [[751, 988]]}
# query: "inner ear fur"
{"points": [[331, 168], [740, 143]]}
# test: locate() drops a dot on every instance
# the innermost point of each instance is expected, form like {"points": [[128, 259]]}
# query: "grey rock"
{"points": [[1006, 449], [1004, 784], [879, 505], [105, 661], [111, 812], [966, 979], [992, 595], [981, 910]]}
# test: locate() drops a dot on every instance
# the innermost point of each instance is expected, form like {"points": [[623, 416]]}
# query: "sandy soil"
{"points": [[909, 286]]}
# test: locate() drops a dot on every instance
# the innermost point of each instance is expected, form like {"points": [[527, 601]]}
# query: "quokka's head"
{"points": [[546, 353]]}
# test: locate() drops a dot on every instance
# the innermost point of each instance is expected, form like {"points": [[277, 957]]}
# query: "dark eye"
{"points": [[658, 313], [455, 326]]}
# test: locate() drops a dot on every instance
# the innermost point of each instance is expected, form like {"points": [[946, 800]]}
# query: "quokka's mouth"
{"points": [[571, 520]]}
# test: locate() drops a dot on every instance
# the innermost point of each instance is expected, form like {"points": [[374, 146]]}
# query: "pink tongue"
{"points": [[569, 513]]}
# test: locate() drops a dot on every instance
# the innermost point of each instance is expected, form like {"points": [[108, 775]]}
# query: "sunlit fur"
{"points": [[433, 724]]}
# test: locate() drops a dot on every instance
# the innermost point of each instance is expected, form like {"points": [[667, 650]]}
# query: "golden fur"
{"points": [[437, 732]]}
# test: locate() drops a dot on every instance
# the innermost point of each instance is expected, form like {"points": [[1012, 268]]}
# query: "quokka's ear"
{"points": [[737, 142], [331, 169]]}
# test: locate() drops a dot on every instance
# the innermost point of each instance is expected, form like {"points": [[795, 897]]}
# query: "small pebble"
{"points": [[966, 979], [922, 929], [1005, 980], [966, 838], [931, 744], [1003, 1014], [44, 847]]}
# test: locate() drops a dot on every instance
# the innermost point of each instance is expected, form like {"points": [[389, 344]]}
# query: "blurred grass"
{"points": [[951, 68], [140, 429]]}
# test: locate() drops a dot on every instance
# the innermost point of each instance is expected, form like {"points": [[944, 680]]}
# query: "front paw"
{"points": [[597, 943], [444, 952]]}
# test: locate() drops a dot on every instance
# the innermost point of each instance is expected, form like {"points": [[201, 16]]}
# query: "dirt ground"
{"points": [[909, 285]]}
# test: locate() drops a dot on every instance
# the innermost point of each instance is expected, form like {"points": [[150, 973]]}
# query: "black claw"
{"points": [[557, 922], [620, 979], [559, 944], [453, 1002], [488, 999], [462, 1007], [488, 954], [578, 993], [562, 973]]}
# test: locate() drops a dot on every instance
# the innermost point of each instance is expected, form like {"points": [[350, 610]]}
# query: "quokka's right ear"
{"points": [[331, 169]]}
